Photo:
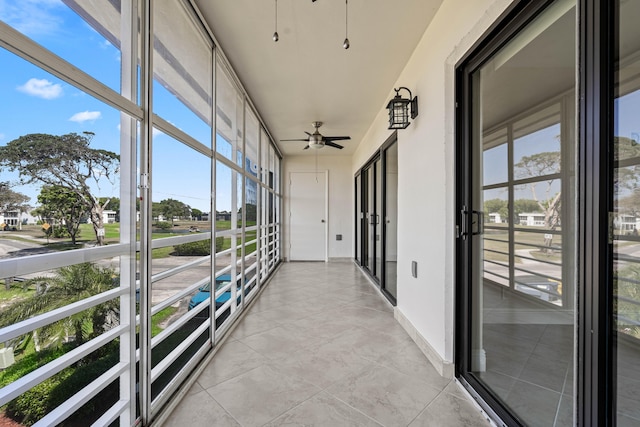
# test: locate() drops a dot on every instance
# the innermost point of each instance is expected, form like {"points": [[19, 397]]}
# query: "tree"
{"points": [[67, 161], [251, 211], [171, 208], [65, 206], [68, 285], [11, 200], [626, 178], [498, 206], [114, 205], [196, 214], [541, 164]]}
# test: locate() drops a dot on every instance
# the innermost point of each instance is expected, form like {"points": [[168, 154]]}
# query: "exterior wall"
{"points": [[426, 182], [341, 182]]}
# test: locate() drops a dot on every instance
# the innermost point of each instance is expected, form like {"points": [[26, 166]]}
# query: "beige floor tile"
{"points": [[200, 409], [260, 395], [448, 410], [323, 410], [233, 359], [389, 397], [317, 327]]}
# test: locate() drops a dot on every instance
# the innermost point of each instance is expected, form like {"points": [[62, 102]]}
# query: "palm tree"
{"points": [[68, 285]]}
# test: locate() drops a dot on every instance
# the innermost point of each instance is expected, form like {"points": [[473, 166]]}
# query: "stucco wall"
{"points": [[426, 182]]}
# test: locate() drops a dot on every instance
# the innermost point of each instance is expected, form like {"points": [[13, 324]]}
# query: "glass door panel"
{"points": [[377, 223], [626, 216], [521, 211], [364, 219], [371, 219], [391, 220], [358, 220]]}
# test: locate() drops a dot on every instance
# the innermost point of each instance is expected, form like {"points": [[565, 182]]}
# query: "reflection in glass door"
{"points": [[517, 222], [626, 213], [370, 214], [371, 228], [391, 219], [376, 223]]}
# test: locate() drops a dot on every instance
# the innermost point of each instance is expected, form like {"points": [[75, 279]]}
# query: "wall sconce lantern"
{"points": [[399, 109]]}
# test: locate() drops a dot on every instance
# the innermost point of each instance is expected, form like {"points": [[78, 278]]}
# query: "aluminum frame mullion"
{"points": [[213, 183], [146, 132], [595, 350], [128, 214], [243, 205]]}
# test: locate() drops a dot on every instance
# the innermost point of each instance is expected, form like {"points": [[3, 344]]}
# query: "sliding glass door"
{"points": [[376, 186], [626, 215], [517, 222], [548, 248]]}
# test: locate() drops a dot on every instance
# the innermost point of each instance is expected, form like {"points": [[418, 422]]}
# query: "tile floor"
{"points": [[320, 347]]}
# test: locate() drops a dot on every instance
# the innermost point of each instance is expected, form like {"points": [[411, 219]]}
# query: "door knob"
{"points": [[322, 221]]}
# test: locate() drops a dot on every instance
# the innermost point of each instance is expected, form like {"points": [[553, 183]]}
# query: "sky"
{"points": [[626, 124], [35, 101]]}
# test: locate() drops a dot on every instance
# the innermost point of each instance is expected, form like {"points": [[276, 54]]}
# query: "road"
{"points": [[162, 289]]}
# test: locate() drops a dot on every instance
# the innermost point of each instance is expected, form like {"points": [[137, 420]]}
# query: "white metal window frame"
{"points": [[267, 234]]}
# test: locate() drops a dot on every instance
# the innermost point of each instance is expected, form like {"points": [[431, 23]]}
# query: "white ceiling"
{"points": [[307, 75]]}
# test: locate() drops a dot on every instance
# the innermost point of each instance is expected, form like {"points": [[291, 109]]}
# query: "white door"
{"points": [[308, 216]]}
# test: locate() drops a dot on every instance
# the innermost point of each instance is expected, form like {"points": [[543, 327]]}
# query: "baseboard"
{"points": [[444, 367]]}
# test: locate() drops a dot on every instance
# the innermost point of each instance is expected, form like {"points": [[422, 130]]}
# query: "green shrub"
{"points": [[60, 232], [37, 402], [30, 363], [163, 225], [200, 248]]}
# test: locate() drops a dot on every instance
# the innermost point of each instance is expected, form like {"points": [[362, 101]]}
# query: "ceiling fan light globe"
{"points": [[316, 145]]}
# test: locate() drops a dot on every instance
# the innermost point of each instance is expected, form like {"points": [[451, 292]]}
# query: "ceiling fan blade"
{"points": [[306, 147], [287, 140], [333, 144], [307, 133], [336, 138]]}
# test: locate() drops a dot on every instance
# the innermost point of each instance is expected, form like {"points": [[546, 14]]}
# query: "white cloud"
{"points": [[85, 116], [1, 136], [42, 88], [34, 18]]}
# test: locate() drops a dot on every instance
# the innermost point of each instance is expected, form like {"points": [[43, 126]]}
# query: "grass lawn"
{"points": [[15, 292], [159, 318], [523, 240]]}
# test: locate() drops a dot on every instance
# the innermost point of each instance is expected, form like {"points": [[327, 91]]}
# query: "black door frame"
{"points": [[378, 277], [595, 336]]}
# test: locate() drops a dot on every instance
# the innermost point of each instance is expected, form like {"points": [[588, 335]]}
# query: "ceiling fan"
{"points": [[317, 140]]}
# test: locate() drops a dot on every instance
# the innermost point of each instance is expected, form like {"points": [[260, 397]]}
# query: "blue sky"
{"points": [[35, 101]]}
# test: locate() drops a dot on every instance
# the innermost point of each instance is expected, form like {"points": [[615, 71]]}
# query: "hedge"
{"points": [[37, 402], [199, 248]]}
